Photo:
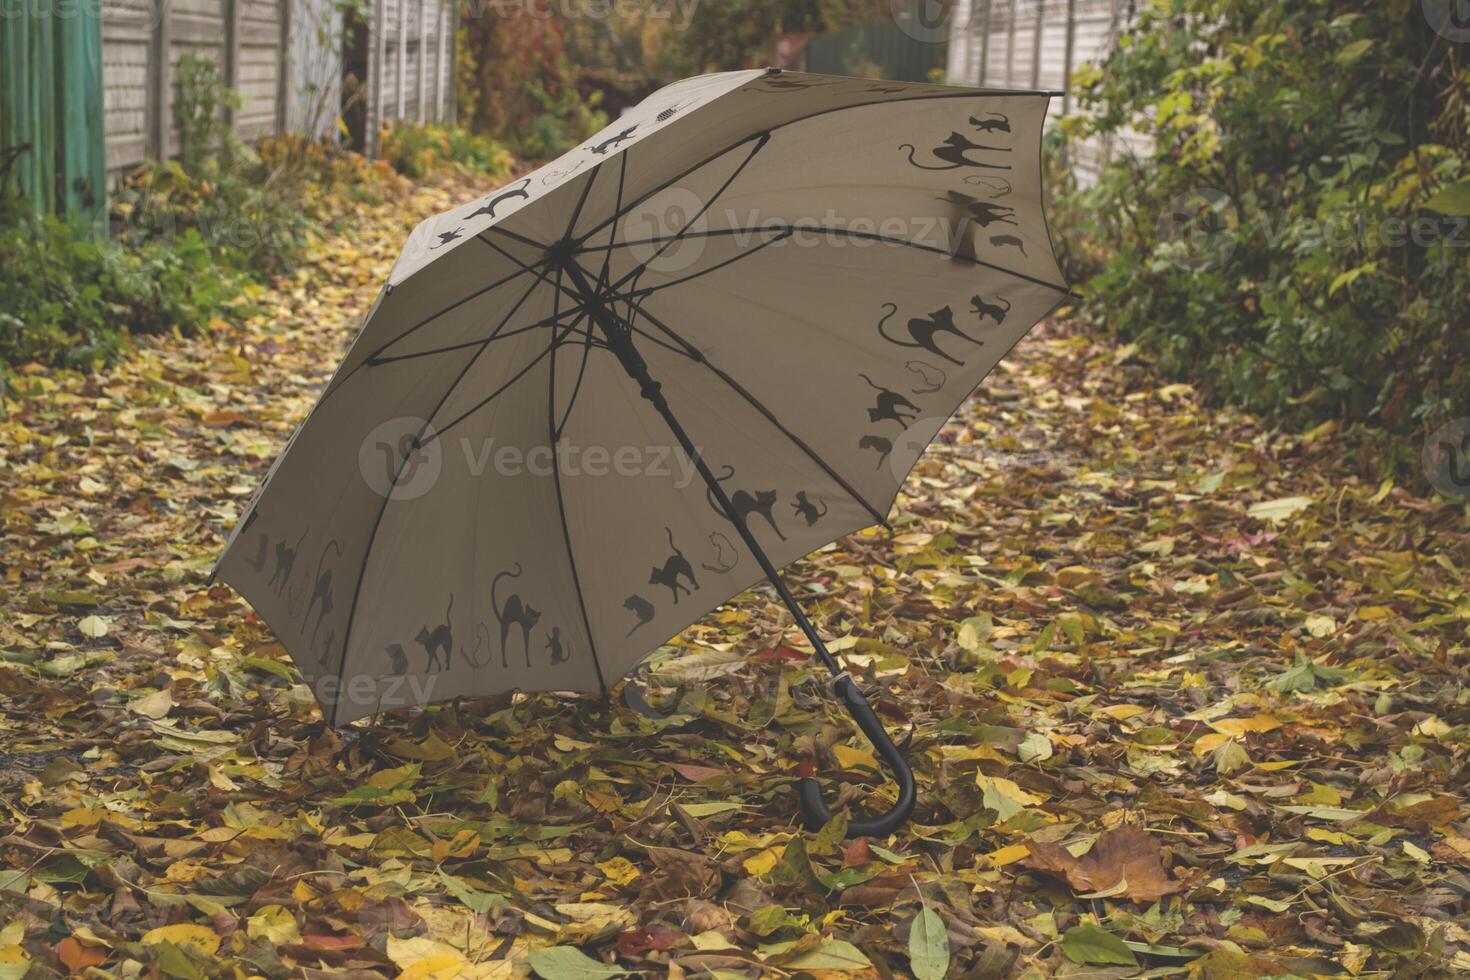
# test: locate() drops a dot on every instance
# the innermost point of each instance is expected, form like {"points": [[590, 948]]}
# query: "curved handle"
{"points": [[810, 792]]}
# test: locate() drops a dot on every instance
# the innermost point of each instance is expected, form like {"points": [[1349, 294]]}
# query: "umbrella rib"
{"points": [[650, 290], [761, 142], [515, 237], [570, 328], [770, 416], [936, 250], [800, 119], [392, 486], [336, 384], [712, 233], [617, 206], [561, 505], [582, 202], [549, 321]]}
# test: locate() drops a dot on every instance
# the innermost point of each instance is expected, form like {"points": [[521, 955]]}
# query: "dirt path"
{"points": [[1182, 692]]}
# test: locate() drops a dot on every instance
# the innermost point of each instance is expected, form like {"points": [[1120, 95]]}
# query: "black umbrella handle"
{"points": [[809, 791]]}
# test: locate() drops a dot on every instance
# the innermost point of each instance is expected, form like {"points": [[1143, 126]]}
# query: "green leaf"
{"points": [[831, 954], [928, 945], [570, 963], [1092, 944], [1353, 53], [1453, 200]]}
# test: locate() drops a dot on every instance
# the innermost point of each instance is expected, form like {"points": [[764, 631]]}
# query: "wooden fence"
{"points": [[284, 57], [1037, 44]]}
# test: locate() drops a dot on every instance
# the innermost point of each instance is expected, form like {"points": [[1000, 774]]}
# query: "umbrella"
{"points": [[594, 405]]}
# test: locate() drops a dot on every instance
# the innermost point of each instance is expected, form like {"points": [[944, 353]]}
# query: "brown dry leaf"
{"points": [[1125, 862]]}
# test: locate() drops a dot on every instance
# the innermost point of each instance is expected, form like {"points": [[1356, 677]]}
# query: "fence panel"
{"points": [[284, 57], [1038, 44]]}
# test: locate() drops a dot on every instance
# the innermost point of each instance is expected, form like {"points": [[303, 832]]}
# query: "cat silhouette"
{"points": [[878, 444], [258, 562], [1454, 457], [998, 122], [722, 564], [614, 141], [559, 655], [642, 609], [285, 564], [437, 641], [515, 612], [807, 510], [931, 378], [922, 331], [891, 405], [746, 504], [445, 237], [321, 597], [1002, 240], [995, 311], [397, 659], [983, 213], [954, 152], [515, 192], [675, 567]]}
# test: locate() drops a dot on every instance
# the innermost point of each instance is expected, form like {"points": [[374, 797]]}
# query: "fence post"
{"points": [[82, 162], [230, 70], [401, 41], [1036, 44], [422, 102], [984, 43], [1071, 52], [158, 107], [283, 68]]}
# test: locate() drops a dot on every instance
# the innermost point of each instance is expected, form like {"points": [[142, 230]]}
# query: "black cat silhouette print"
{"points": [[595, 404]]}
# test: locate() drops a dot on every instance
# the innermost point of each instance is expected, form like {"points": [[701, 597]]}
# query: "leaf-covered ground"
{"points": [[1183, 696]]}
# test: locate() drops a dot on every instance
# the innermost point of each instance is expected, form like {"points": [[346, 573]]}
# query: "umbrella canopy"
{"points": [[790, 280]]}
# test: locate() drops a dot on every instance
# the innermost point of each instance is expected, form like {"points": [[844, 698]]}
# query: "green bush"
{"points": [[1295, 238], [68, 296], [418, 149], [564, 121]]}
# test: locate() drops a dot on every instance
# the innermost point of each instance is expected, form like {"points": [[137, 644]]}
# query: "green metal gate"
{"points": [[51, 123]]}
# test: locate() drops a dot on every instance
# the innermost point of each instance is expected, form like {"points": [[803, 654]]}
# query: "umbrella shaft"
{"points": [[620, 342]]}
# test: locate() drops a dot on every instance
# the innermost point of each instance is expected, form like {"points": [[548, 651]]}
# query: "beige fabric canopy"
{"points": [[814, 272]]}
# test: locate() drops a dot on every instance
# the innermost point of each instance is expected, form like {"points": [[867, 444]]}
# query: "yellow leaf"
{"points": [[762, 863], [154, 705], [274, 923], [1208, 743], [1372, 613], [1279, 510], [84, 816], [184, 933], [1007, 855], [1122, 712], [619, 870], [1240, 726], [847, 757]]}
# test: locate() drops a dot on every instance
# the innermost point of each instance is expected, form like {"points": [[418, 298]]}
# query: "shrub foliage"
{"points": [[1296, 235]]}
